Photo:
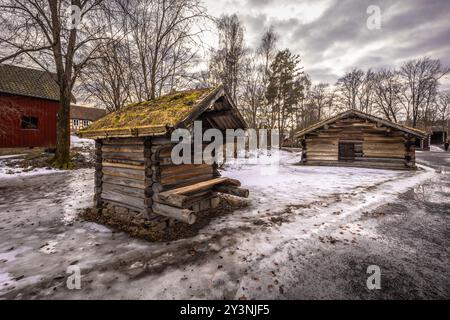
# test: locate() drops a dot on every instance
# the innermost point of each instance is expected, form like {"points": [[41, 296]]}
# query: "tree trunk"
{"points": [[62, 156]]}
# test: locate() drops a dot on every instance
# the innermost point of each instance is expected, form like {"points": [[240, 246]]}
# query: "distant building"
{"points": [[357, 139], [81, 116], [29, 103]]}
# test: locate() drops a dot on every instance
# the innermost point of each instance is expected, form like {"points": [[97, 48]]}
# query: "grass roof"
{"points": [[167, 110]]}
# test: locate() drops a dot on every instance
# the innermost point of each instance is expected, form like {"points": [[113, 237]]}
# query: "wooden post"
{"points": [[148, 180], [98, 174]]}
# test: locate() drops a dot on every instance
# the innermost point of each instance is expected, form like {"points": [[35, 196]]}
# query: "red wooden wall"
{"points": [[12, 108]]}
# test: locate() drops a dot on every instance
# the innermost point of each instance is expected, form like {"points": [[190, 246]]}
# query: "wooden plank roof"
{"points": [[86, 113], [28, 82], [356, 113], [161, 115]]}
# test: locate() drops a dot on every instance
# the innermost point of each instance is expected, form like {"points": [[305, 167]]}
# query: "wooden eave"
{"points": [[362, 115]]}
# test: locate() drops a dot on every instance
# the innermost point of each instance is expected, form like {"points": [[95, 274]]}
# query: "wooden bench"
{"points": [[173, 203]]}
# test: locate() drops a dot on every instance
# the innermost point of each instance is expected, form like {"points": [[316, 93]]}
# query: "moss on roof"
{"points": [[167, 110]]}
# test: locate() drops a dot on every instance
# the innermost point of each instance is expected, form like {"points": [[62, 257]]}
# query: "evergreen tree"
{"points": [[284, 89]]}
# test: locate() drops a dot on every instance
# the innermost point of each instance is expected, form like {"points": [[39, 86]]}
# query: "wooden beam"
{"points": [[184, 215], [234, 191], [203, 185]]}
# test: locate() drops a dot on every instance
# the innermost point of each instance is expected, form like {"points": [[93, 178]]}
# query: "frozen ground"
{"points": [[15, 169], [310, 233]]}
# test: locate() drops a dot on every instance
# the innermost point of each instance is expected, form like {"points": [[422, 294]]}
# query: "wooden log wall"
{"points": [[132, 172], [124, 174], [374, 145], [167, 176]]}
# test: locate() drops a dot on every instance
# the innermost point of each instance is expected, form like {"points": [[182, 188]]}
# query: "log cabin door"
{"points": [[346, 151]]}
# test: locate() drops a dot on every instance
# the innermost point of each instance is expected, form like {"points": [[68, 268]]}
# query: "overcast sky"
{"points": [[332, 35]]}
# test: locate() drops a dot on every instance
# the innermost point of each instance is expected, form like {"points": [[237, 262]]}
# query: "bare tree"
{"points": [[268, 49], [443, 110], [387, 89], [255, 73], [226, 62], [41, 30], [108, 79], [321, 99], [366, 92], [348, 88], [421, 78], [253, 91]]}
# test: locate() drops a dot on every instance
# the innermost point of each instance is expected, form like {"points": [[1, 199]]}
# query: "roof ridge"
{"points": [[391, 124]]}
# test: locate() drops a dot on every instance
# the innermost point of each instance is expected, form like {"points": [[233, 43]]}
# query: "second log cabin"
{"points": [[357, 139], [134, 168]]}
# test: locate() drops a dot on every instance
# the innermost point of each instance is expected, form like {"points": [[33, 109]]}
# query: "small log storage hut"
{"points": [[134, 173], [357, 139]]}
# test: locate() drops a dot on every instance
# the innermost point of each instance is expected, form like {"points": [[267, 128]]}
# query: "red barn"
{"points": [[29, 103]]}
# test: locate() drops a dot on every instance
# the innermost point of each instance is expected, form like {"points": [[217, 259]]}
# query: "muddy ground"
{"points": [[318, 247]]}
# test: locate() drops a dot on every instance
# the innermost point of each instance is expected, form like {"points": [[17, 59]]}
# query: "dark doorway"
{"points": [[346, 151], [438, 137]]}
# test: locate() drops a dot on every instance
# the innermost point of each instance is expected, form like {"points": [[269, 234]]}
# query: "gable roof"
{"points": [[28, 82], [362, 115], [162, 115], [86, 113]]}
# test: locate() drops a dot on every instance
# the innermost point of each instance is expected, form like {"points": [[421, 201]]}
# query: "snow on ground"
{"points": [[304, 201], [75, 141], [12, 156], [7, 173], [436, 149], [235, 256]]}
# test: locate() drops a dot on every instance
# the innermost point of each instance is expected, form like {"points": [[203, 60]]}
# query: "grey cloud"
{"points": [[410, 29]]}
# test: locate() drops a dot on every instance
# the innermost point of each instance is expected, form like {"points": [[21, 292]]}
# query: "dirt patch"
{"points": [[80, 159], [384, 210], [139, 227]]}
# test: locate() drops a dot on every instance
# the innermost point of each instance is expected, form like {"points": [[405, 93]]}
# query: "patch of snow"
{"points": [[10, 255], [436, 149], [49, 247], [76, 141], [12, 156], [9, 172], [97, 227], [5, 279]]}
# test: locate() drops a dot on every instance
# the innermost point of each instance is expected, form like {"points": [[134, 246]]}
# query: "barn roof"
{"points": [[362, 115], [28, 82], [161, 115], [86, 113]]}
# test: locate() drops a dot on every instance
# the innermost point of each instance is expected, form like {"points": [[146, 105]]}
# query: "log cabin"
{"points": [[357, 139], [134, 172]]}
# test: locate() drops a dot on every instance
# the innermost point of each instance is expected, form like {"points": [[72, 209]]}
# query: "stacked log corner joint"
{"points": [[135, 176]]}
